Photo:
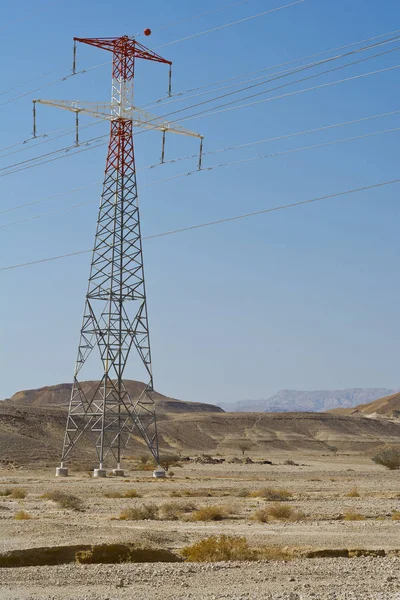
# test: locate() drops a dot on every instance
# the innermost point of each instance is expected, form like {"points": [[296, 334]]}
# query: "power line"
{"points": [[219, 221], [274, 77], [209, 113], [312, 76], [209, 168], [266, 12], [193, 17], [227, 148], [215, 110], [274, 66]]}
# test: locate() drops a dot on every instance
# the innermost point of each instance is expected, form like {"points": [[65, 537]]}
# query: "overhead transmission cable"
{"points": [[284, 74], [219, 221], [248, 73], [214, 110], [208, 168], [266, 12], [211, 152], [312, 76]]}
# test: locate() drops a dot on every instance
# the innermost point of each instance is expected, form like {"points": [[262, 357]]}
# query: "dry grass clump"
{"points": [[353, 493], [6, 492], [210, 513], [272, 495], [243, 493], [131, 494], [21, 515], [114, 494], [229, 548], [18, 493], [139, 513], [219, 548], [351, 515], [176, 494], [396, 516], [173, 511], [277, 512], [198, 493], [389, 458], [64, 500]]}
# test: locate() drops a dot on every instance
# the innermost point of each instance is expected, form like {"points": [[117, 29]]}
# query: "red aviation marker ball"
{"points": [[147, 31]]}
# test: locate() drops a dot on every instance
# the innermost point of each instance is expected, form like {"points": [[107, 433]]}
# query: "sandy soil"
{"points": [[319, 486]]}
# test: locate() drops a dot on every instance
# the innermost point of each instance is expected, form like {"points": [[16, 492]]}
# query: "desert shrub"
{"points": [[144, 458], [169, 460], [219, 548], [140, 513], [6, 492], [131, 494], [197, 493], [353, 493], [114, 494], [389, 458], [262, 515], [280, 512], [209, 513], [396, 516], [172, 511], [18, 493], [171, 473], [272, 495], [64, 500], [350, 515], [243, 493], [290, 463], [21, 515], [176, 494]]}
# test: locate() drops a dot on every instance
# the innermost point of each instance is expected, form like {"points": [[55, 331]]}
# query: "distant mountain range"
{"points": [[304, 401]]}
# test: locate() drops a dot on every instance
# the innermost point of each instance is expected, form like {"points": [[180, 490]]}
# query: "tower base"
{"points": [[118, 472], [159, 473], [61, 472], [99, 473]]}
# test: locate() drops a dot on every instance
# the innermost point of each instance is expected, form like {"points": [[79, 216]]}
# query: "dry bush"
{"points": [[396, 516], [18, 493], [219, 548], [140, 513], [21, 515], [241, 493], [353, 493], [281, 512], [198, 493], [64, 500], [131, 494], [142, 467], [210, 513], [171, 473], [176, 494], [351, 515], [114, 494], [6, 492], [173, 511], [389, 458], [272, 495], [144, 458]]}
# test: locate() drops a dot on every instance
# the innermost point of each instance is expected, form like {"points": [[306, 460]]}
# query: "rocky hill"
{"points": [[386, 407], [59, 395], [311, 401]]}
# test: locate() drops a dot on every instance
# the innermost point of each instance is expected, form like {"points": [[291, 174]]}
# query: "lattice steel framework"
{"points": [[115, 316]]}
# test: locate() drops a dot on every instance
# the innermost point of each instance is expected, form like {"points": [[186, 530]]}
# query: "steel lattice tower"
{"points": [[115, 317]]}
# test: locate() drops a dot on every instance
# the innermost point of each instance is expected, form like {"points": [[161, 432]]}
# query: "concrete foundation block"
{"points": [[61, 472], [99, 473]]}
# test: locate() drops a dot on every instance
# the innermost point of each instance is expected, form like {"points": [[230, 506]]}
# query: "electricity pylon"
{"points": [[115, 315]]}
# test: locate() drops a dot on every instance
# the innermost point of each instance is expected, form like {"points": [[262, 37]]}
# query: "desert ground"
{"points": [[326, 527]]}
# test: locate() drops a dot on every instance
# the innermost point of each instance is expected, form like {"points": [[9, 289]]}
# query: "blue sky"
{"points": [[306, 298]]}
